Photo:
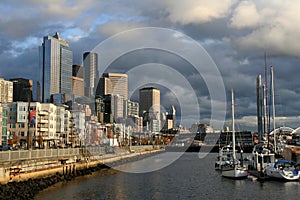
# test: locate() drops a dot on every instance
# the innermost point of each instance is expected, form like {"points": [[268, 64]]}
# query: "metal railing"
{"points": [[7, 156]]}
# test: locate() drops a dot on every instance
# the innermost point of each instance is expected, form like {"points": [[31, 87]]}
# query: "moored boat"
{"points": [[262, 157], [283, 170], [224, 157], [234, 169]]}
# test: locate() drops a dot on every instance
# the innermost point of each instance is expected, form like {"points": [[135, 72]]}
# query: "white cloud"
{"points": [[245, 15], [197, 11], [273, 26]]}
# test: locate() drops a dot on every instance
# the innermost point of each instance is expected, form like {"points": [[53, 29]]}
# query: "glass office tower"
{"points": [[56, 67]]}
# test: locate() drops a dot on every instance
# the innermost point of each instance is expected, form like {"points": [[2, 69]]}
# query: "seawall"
{"points": [[26, 185]]}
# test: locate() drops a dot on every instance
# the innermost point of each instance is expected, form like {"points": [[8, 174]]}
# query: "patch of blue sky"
{"points": [[10, 11], [73, 32], [27, 43], [106, 18]]}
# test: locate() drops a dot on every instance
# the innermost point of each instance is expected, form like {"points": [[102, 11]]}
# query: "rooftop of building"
{"points": [[149, 88], [113, 74]]}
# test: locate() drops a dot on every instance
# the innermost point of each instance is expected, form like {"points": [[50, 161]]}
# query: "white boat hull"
{"points": [[235, 173], [287, 175]]}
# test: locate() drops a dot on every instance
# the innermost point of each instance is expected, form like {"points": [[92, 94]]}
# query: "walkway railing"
{"points": [[7, 156]]}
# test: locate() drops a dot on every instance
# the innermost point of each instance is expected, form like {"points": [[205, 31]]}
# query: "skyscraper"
{"points": [[114, 83], [259, 104], [22, 89], [150, 100], [77, 81], [150, 108], [91, 74], [56, 67]]}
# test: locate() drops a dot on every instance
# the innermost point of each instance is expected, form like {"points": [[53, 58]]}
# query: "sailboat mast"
{"points": [[273, 106], [233, 128], [267, 127]]}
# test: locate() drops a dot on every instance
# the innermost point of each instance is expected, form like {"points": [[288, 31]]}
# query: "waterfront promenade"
{"points": [[22, 165]]}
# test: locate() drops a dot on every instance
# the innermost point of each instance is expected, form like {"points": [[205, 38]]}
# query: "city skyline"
{"points": [[236, 34]]}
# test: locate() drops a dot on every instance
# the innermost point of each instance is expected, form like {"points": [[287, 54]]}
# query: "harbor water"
{"points": [[189, 177]]}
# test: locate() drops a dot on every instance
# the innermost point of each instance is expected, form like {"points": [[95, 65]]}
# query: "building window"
{"points": [[4, 113]]}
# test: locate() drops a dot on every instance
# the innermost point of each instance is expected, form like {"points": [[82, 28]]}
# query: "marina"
{"points": [[189, 177]]}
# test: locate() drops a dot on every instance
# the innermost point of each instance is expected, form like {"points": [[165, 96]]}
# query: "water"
{"points": [[189, 177]]}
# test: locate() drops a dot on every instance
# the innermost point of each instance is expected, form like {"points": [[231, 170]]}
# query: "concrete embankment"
{"points": [[27, 185]]}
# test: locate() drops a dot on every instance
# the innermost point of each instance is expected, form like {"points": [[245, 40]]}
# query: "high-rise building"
{"points": [[150, 108], [114, 83], [111, 106], [6, 91], [77, 81], [77, 71], [38, 92], [259, 104], [91, 74], [149, 100], [56, 67], [22, 89], [78, 86], [172, 115]]}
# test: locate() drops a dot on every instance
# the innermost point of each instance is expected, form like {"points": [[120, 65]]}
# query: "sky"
{"points": [[235, 35]]}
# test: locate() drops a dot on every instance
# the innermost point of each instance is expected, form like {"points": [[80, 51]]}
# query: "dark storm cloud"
{"points": [[24, 65], [236, 34]]}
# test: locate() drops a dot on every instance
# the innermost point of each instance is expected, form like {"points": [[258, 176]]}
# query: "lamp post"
{"points": [[28, 122]]}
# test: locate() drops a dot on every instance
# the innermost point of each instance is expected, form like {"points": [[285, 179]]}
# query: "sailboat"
{"points": [[234, 169], [224, 157], [262, 154], [282, 169]]}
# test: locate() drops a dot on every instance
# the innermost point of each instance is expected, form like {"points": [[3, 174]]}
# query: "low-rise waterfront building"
{"points": [[6, 91], [3, 125], [79, 122], [43, 125]]}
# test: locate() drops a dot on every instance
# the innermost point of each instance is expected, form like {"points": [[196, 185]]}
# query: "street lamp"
{"points": [[28, 89]]}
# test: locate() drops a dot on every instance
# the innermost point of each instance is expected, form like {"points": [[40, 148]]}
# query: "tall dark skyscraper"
{"points": [[91, 74], [259, 97], [56, 60], [22, 89]]}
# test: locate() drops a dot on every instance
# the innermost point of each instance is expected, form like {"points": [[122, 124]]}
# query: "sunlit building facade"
{"points": [[6, 91], [91, 74], [56, 60], [114, 83]]}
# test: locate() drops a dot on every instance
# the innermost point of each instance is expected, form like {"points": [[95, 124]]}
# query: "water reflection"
{"points": [[187, 178]]}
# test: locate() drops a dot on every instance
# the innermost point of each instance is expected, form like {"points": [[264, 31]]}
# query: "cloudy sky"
{"points": [[235, 34]]}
